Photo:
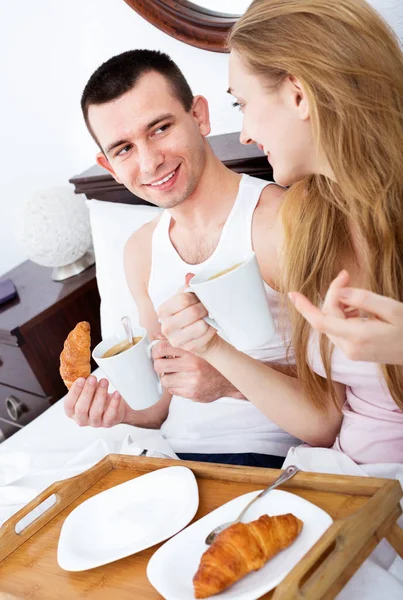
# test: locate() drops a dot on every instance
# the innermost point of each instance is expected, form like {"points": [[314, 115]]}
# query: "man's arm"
{"points": [[88, 401], [137, 264]]}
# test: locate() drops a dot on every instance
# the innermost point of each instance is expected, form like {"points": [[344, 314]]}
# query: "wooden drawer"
{"points": [[20, 407], [15, 370]]}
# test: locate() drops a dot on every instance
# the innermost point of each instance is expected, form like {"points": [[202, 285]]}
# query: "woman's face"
{"points": [[277, 120]]}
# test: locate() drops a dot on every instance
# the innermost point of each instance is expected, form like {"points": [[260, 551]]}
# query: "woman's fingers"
{"points": [[183, 319], [188, 338], [353, 336], [176, 304], [333, 326], [381, 307], [331, 305], [378, 339], [188, 278], [310, 312], [182, 322]]}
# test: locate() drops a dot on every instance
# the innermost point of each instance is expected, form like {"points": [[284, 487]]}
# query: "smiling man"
{"points": [[151, 132]]}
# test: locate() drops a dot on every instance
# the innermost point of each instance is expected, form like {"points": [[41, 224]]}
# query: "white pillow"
{"points": [[112, 224]]}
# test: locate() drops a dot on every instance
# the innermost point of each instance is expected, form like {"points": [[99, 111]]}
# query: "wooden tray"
{"points": [[364, 509]]}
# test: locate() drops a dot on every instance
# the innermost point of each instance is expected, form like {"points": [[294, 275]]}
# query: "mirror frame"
{"points": [[187, 22]]}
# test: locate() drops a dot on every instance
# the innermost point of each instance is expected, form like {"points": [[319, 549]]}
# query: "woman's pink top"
{"points": [[372, 428]]}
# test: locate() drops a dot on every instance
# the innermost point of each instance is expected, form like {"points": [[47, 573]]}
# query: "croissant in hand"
{"points": [[242, 548], [75, 359]]}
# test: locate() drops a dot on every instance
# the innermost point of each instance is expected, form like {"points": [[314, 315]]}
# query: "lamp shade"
{"points": [[55, 227]]}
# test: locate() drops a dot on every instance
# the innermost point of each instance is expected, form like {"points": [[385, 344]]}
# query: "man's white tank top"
{"points": [[228, 425]]}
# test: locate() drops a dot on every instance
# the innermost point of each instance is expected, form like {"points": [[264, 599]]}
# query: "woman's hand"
{"points": [[182, 323], [376, 338]]}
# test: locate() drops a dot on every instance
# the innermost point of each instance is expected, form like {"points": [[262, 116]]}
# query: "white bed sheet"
{"points": [[54, 434], [53, 447]]}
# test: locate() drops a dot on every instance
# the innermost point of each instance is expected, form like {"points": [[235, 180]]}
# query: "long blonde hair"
{"points": [[351, 66]]}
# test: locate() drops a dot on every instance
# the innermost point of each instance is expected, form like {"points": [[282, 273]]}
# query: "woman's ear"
{"points": [[200, 112], [299, 97], [103, 162]]}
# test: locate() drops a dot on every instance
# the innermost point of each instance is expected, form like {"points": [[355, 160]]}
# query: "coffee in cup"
{"points": [[121, 347], [224, 272]]}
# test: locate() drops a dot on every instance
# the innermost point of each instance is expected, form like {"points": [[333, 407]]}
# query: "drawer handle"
{"points": [[15, 408]]}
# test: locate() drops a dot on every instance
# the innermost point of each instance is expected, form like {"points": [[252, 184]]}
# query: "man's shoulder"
{"points": [[137, 250], [141, 238]]}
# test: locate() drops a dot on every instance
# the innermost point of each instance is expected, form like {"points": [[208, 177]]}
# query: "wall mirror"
{"points": [[202, 23]]}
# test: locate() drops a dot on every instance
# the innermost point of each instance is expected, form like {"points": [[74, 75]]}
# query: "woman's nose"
{"points": [[245, 139]]}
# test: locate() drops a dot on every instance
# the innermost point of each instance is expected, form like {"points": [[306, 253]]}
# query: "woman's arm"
{"points": [[276, 395]]}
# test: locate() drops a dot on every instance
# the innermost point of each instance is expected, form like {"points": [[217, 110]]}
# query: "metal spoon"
{"points": [[128, 329], [287, 474]]}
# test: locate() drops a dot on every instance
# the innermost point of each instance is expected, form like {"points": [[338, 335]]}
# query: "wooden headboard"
{"points": [[97, 183]]}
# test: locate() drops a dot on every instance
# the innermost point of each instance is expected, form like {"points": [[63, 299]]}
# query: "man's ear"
{"points": [[200, 112], [103, 162], [299, 97]]}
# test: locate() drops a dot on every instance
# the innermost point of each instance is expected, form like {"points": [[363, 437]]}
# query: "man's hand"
{"points": [[187, 375], [89, 403]]}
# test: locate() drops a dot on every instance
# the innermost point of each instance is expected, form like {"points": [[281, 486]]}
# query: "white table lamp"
{"points": [[55, 231]]}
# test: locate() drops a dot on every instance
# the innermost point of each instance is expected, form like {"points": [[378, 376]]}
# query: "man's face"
{"points": [[152, 145]]}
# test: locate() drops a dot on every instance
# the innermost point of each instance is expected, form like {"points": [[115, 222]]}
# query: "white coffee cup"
{"points": [[131, 372], [237, 303]]}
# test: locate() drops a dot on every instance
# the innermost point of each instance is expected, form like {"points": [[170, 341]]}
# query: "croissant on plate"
{"points": [[242, 548], [75, 359]]}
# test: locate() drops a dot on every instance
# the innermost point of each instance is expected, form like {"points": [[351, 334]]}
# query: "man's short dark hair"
{"points": [[120, 74]]}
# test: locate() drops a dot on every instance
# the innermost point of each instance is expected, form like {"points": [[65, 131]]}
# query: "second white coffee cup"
{"points": [[237, 303], [131, 372]]}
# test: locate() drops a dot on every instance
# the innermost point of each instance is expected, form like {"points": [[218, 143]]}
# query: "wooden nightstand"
{"points": [[33, 328]]}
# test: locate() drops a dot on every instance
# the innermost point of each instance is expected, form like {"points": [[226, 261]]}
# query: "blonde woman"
{"points": [[320, 86]]}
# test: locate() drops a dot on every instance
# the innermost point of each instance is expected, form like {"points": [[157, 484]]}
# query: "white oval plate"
{"points": [[186, 548], [128, 518]]}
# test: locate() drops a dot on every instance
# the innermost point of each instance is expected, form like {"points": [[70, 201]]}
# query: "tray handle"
{"points": [[321, 568], [65, 492]]}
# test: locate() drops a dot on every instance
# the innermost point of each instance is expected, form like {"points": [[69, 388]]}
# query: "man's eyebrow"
{"points": [[158, 120], [230, 91], [149, 126], [109, 148]]}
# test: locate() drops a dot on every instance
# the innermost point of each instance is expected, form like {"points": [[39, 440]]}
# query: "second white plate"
{"points": [[186, 548], [128, 518]]}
